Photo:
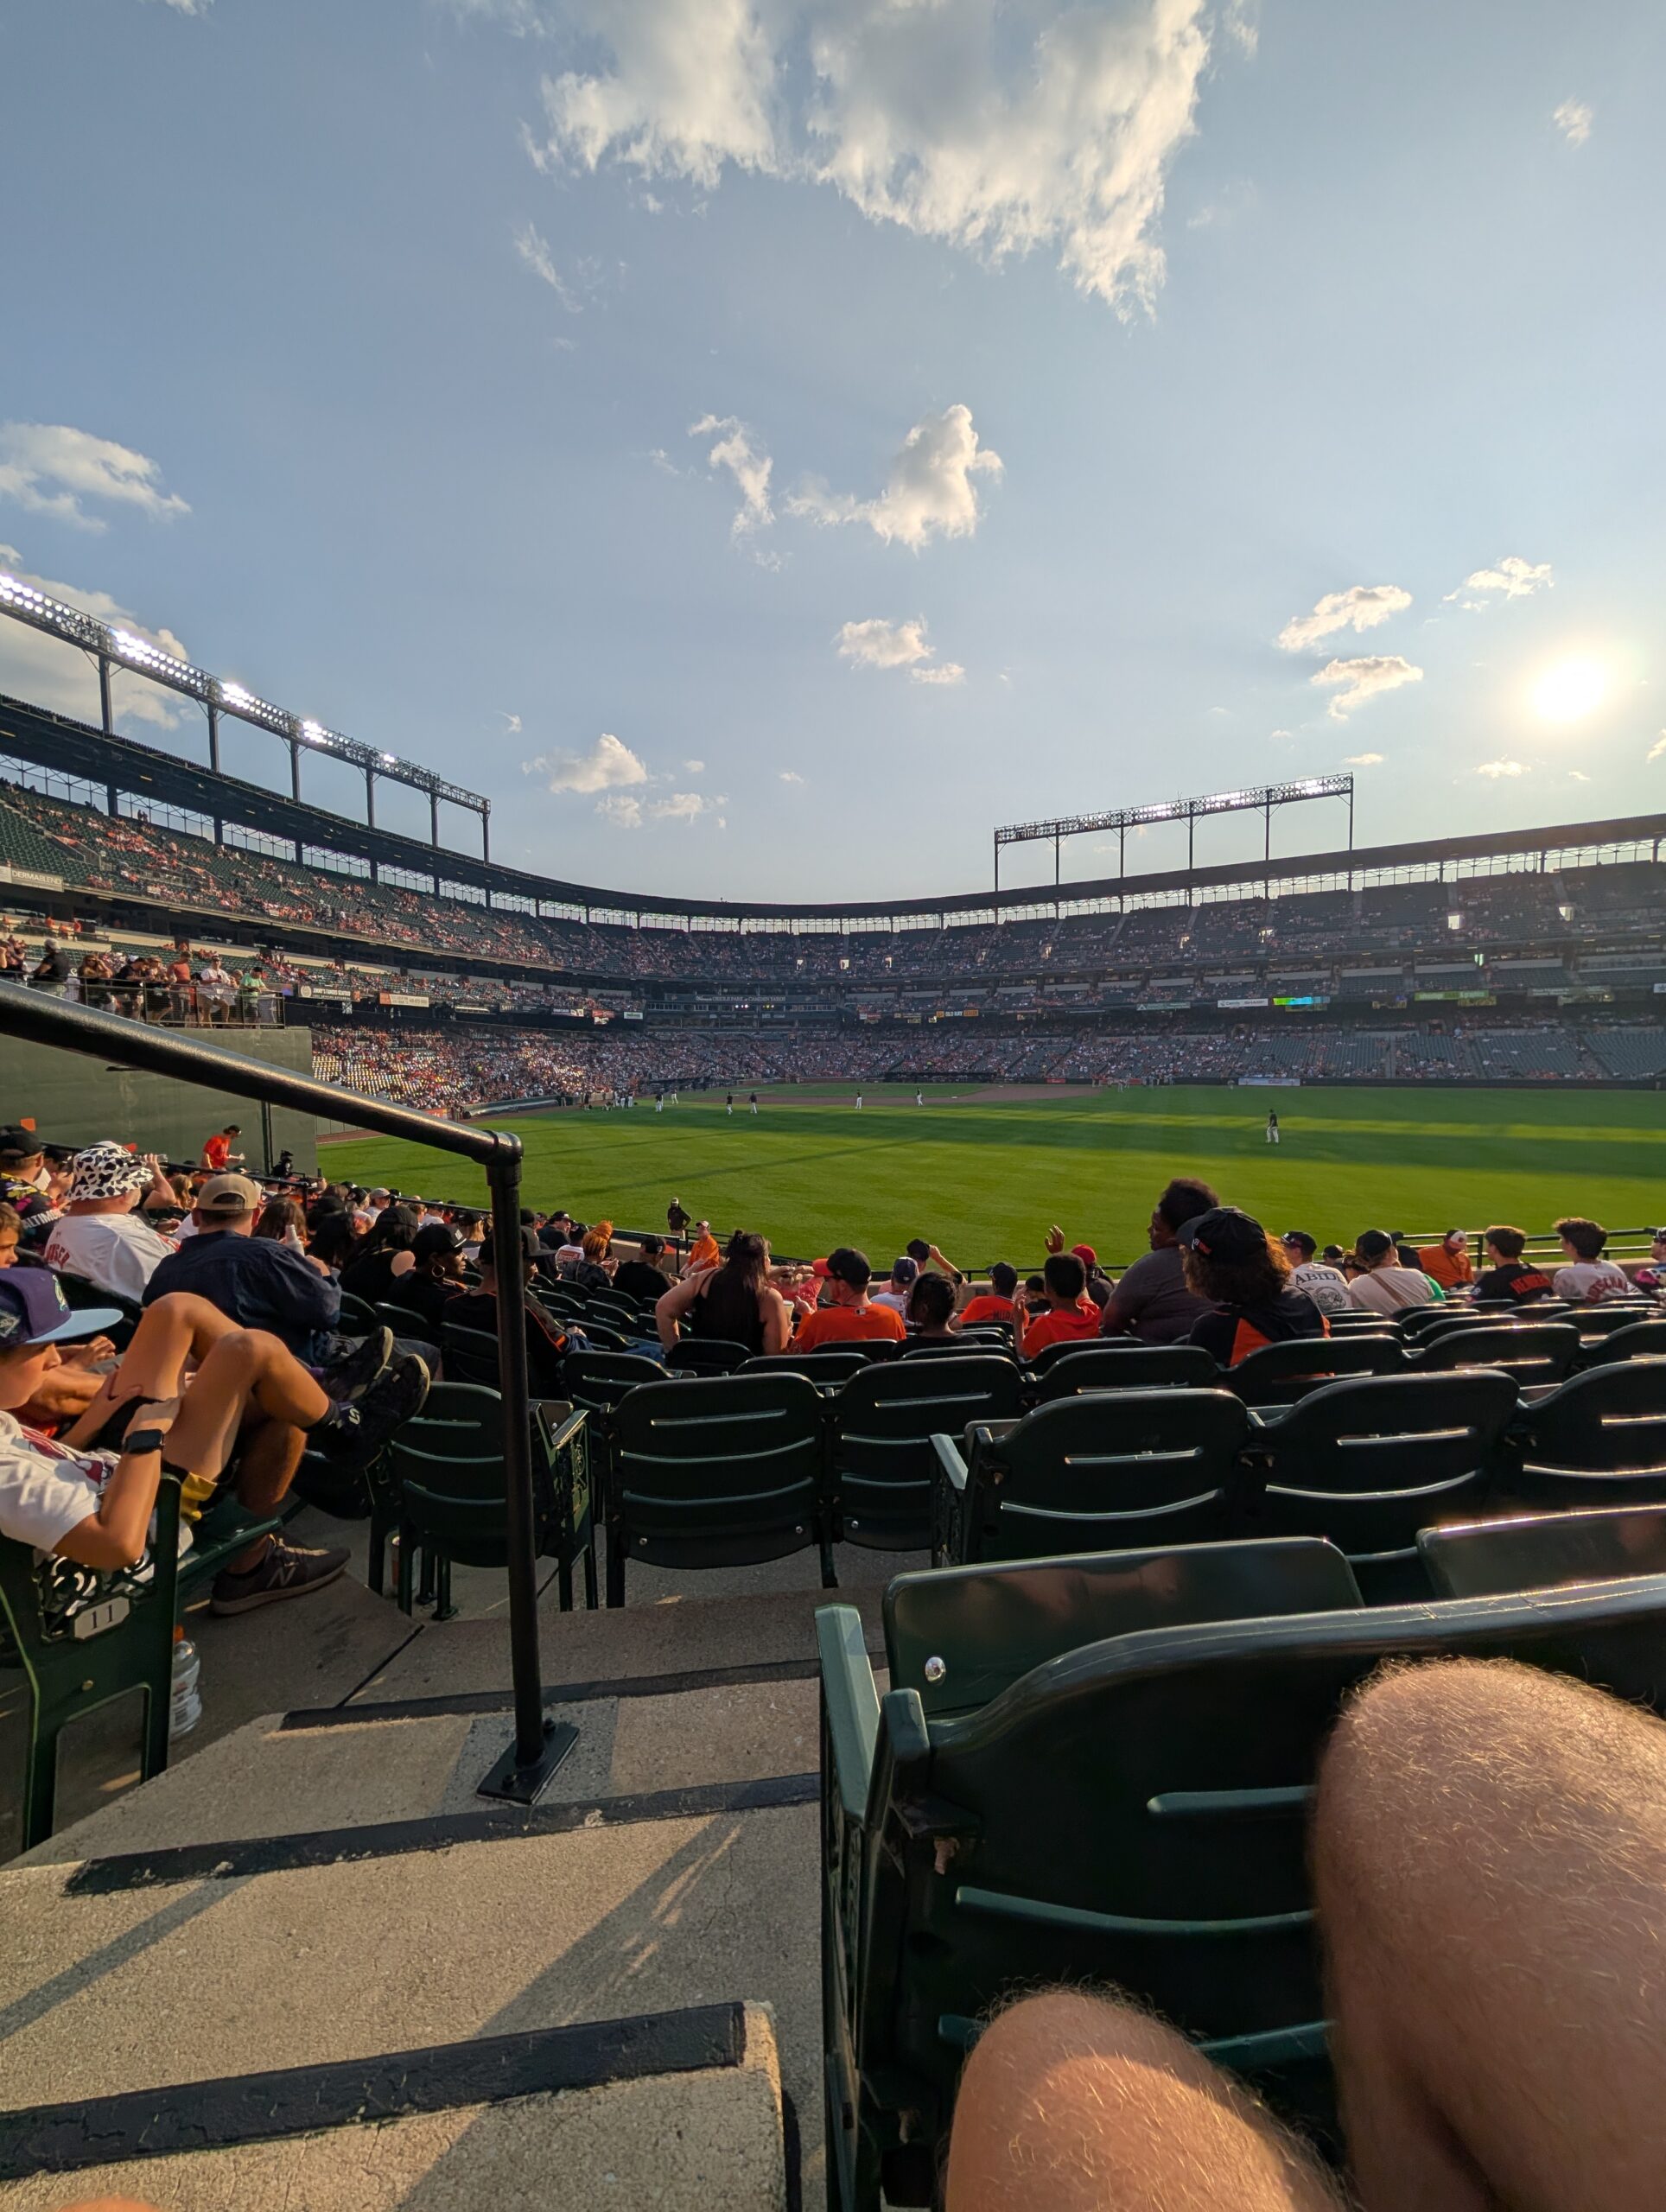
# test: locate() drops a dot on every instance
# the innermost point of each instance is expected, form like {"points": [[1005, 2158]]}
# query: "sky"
{"points": [[763, 444]]}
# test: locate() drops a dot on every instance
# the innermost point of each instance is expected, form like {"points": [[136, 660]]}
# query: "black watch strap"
{"points": [[143, 1439]]}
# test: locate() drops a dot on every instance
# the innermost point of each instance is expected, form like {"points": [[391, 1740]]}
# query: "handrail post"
{"points": [[526, 1768]]}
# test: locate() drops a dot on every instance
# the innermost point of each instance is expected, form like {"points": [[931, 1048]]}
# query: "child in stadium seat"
{"points": [[1071, 1314]]}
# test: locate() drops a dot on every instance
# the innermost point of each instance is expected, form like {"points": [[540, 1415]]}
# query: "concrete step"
{"points": [[679, 2114]]}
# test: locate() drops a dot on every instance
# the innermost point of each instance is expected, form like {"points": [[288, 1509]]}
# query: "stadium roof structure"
{"points": [[145, 775]]}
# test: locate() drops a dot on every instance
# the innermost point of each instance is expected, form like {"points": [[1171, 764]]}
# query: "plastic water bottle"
{"points": [[186, 1706]]}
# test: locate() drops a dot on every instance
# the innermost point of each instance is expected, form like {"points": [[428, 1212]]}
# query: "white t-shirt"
{"points": [[1586, 1282], [896, 1300], [117, 1251], [1387, 1290], [1326, 1287], [45, 1490]]}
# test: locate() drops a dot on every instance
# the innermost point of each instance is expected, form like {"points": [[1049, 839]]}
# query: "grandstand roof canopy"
{"points": [[78, 749]]}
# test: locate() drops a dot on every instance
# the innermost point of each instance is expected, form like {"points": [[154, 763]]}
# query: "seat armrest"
{"points": [[851, 1703], [949, 1462]]}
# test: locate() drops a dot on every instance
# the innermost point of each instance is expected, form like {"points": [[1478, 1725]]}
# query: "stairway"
{"points": [[310, 1965]]}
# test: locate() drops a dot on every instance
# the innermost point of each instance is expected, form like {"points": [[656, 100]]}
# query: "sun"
{"points": [[1568, 690]]}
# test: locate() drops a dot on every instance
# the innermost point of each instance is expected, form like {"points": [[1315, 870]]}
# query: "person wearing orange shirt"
{"points": [[217, 1149], [994, 1304], [1448, 1263], [850, 1317], [1071, 1314]]}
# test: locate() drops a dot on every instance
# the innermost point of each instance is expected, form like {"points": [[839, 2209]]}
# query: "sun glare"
{"points": [[1571, 689]]}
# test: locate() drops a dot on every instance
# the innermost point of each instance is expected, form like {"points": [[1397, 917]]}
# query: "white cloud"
{"points": [[791, 776], [511, 724], [50, 469], [1362, 607], [621, 810], [1656, 749], [608, 766], [1513, 578], [695, 767], [929, 489], [534, 249], [1573, 119], [733, 451], [1364, 760], [997, 131], [51, 674], [189, 7], [1365, 678], [1577, 776], [951, 672], [1495, 769], [681, 806], [879, 643]]}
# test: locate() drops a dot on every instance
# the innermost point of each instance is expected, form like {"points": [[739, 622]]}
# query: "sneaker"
{"points": [[359, 1430], [366, 1364], [283, 1570]]}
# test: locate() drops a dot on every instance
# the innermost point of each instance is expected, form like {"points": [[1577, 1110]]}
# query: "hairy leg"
{"points": [[248, 1382], [1070, 2103], [1489, 1857]]}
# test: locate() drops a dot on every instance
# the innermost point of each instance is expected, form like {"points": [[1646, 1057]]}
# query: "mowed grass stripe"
{"points": [[982, 1178]]}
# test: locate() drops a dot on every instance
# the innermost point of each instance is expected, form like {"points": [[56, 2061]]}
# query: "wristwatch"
{"points": [[143, 1439]]}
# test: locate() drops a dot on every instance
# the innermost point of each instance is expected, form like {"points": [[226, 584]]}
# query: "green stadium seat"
{"points": [[1637, 1339], [706, 1356], [1129, 1815], [1050, 1355], [829, 1367], [469, 1355], [884, 1420], [1125, 1367], [1614, 1314], [1543, 1551], [84, 1296], [357, 1319], [1530, 1351], [1598, 1441], [1369, 1461], [719, 1470], [1277, 1375], [448, 1462], [1086, 1474], [956, 1348]]}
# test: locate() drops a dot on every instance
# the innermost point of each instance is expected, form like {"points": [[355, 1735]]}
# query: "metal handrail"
{"points": [[45, 1019]]}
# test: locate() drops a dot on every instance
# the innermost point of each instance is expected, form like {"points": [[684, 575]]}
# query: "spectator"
{"points": [[1151, 1300], [736, 1302], [904, 1273], [1588, 1278], [383, 1259], [52, 969], [1448, 1261], [217, 1154], [86, 1501], [258, 1284], [926, 1256], [931, 1308], [641, 1278], [333, 1241], [592, 1272], [994, 1304], [100, 1237], [1322, 1281], [704, 1252], [70, 1387], [23, 1182], [1070, 1315], [1099, 1283], [1233, 1264], [848, 1317], [1510, 1276], [1383, 1285], [428, 1288], [546, 1343], [282, 1220], [1651, 1275]]}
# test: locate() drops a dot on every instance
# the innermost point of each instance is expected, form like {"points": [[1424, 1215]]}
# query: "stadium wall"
{"points": [[72, 1099]]}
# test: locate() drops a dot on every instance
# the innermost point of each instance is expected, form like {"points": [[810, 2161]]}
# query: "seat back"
{"points": [[1637, 1339], [832, 1365], [1532, 1352], [598, 1380], [448, 1462], [719, 1470], [1050, 1355], [706, 1356], [1125, 1367], [1544, 1551], [957, 1347], [470, 1355], [1277, 1375], [1369, 1461], [1133, 1815], [84, 1296], [1100, 1471], [884, 1420], [961, 1635], [1598, 1441], [1613, 1313], [403, 1321]]}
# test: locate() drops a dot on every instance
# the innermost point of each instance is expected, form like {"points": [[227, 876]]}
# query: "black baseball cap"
{"points": [[1372, 1244], [1223, 1233], [850, 1267], [1302, 1241]]}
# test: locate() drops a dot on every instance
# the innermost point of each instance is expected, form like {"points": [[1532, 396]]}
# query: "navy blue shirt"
{"points": [[256, 1283]]}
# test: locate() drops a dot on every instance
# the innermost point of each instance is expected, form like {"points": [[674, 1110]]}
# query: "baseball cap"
{"points": [[18, 1143], [107, 1171], [904, 1270], [850, 1267], [33, 1310], [438, 1236], [1223, 1233], [1372, 1244], [1086, 1254], [229, 1196], [819, 1267], [1300, 1241], [381, 1191]]}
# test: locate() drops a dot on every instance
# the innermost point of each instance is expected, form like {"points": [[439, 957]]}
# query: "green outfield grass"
{"points": [[983, 1177]]}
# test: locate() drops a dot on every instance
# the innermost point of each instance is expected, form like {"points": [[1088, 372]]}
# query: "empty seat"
{"points": [[1544, 1551], [1092, 1473], [1125, 1367], [827, 1368], [718, 1471], [884, 1420], [1531, 1351], [1638, 1339], [1369, 1461], [1599, 1440], [706, 1356], [1277, 1375]]}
